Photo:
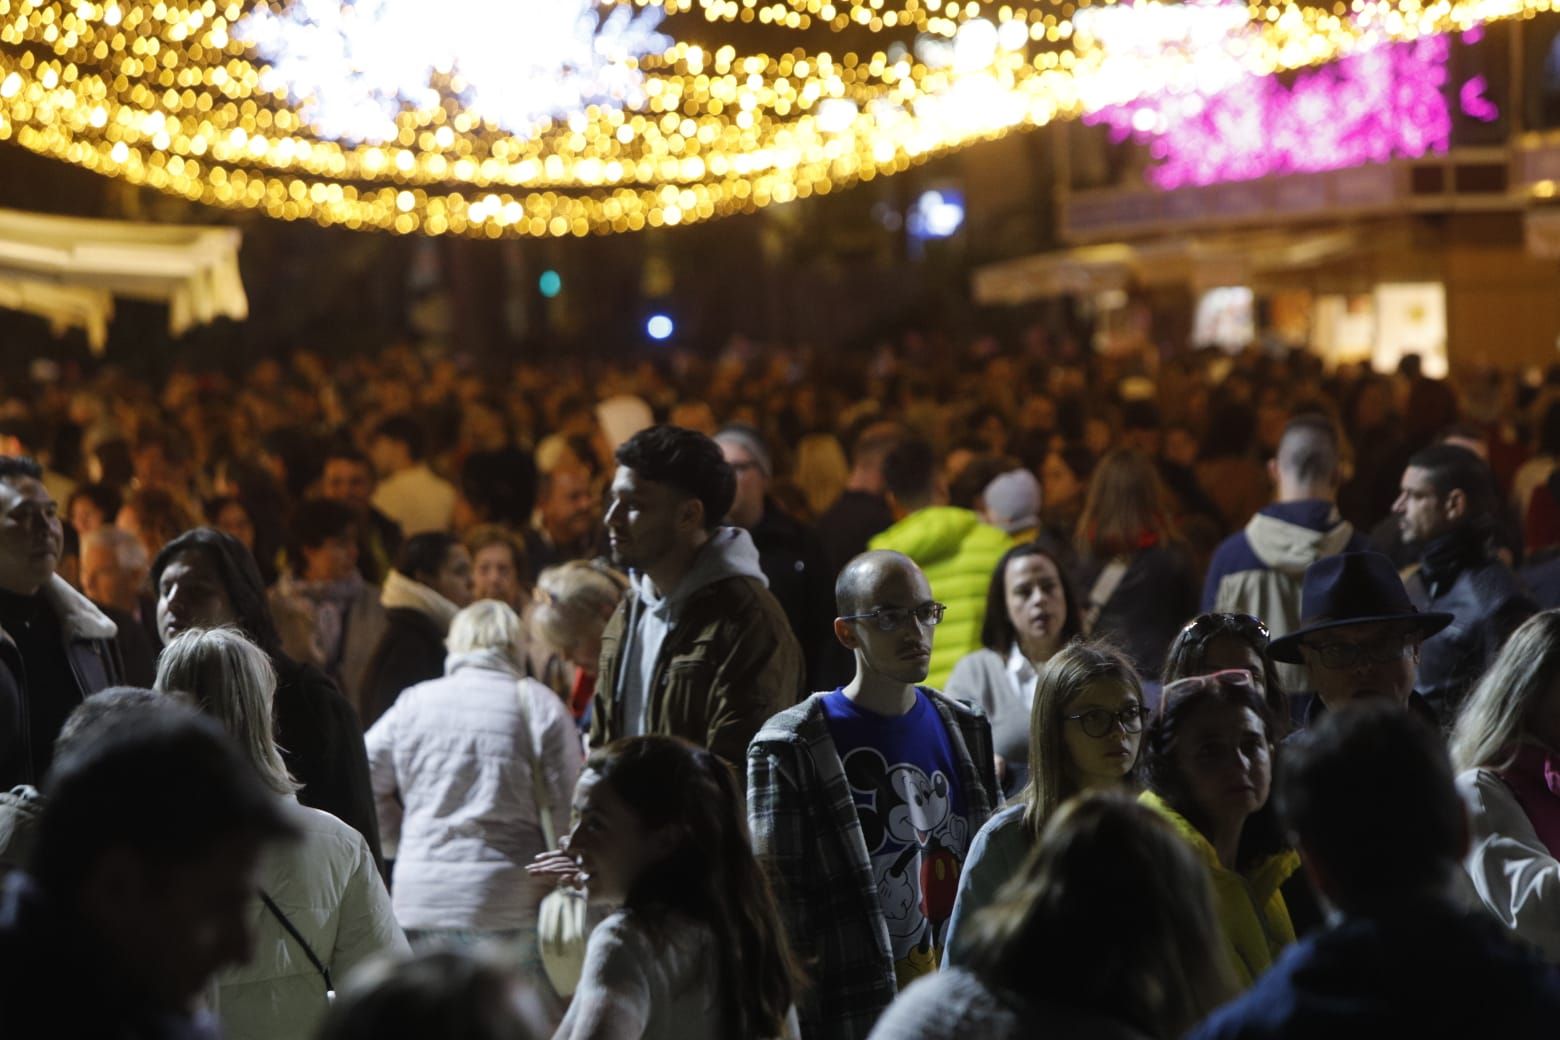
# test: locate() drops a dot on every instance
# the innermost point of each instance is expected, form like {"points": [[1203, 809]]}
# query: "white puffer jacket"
{"points": [[329, 889], [451, 765]]}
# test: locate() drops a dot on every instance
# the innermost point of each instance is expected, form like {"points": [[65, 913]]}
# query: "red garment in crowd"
{"points": [[580, 695]]}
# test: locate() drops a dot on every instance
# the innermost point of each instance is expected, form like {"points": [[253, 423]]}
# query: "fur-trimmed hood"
{"points": [[79, 618]]}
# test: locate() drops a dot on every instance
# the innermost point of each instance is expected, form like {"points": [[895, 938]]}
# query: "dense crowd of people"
{"points": [[928, 692]]}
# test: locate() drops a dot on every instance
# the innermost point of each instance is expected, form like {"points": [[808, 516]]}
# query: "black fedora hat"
{"points": [[1352, 588]]}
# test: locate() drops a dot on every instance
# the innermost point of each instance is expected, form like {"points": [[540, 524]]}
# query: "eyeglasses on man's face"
{"points": [[1097, 722], [891, 619], [1352, 655]]}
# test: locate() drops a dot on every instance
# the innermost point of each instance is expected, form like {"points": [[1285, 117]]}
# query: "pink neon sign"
{"points": [[1386, 104]]}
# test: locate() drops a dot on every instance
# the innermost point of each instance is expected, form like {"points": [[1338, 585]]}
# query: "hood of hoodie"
{"points": [[729, 553], [401, 591], [930, 535], [1290, 536]]}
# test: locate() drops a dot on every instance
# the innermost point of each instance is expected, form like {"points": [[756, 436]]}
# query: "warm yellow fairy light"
{"points": [[162, 94]]}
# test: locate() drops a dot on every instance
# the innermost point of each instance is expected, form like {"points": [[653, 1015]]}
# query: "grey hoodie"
{"points": [[729, 553]]}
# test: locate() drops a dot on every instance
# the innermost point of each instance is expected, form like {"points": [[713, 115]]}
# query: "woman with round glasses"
{"points": [[1030, 615], [1085, 732], [1208, 763], [1218, 642]]}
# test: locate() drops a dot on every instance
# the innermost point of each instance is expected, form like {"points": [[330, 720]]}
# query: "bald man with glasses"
{"points": [[863, 801]]}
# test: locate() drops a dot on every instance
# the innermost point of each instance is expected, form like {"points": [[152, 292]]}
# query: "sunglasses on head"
{"points": [[1205, 627]]}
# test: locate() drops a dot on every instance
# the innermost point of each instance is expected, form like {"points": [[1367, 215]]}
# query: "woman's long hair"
{"points": [[1496, 714], [711, 875], [1062, 679], [1127, 508], [996, 632], [240, 576], [1111, 913], [1262, 835], [230, 679]]}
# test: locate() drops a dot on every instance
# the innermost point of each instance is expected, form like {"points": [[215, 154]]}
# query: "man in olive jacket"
{"points": [[698, 648]]}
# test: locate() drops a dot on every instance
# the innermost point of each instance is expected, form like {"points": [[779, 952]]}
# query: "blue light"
{"points": [[660, 327], [550, 283]]}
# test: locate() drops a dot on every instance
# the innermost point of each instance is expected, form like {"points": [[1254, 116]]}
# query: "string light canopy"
{"points": [[571, 117]]}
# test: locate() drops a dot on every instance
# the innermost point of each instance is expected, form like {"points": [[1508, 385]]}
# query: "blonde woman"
{"points": [[1085, 732], [1506, 747], [323, 909], [471, 773], [821, 470], [1105, 932], [573, 603]]}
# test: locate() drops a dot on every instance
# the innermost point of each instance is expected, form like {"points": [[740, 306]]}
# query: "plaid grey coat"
{"points": [[808, 837]]}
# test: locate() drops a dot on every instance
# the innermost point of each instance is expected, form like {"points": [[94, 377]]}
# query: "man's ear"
{"points": [[690, 515], [845, 634], [1272, 470]]}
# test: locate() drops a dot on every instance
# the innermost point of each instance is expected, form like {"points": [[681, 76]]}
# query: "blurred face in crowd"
{"points": [[170, 927], [1102, 761], [904, 653], [1362, 662], [648, 520], [495, 574], [1180, 446], [611, 843], [32, 538], [1422, 514], [106, 581], [453, 580], [347, 480], [129, 521], [388, 455], [333, 559], [234, 520], [1059, 485], [569, 506], [1222, 754], [190, 594], [747, 508], [1036, 604], [86, 517]]}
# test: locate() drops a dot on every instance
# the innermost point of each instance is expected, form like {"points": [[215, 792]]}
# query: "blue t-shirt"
{"points": [[905, 780]]}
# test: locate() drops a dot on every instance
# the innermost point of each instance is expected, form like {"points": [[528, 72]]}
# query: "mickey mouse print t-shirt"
{"points": [[905, 781]]}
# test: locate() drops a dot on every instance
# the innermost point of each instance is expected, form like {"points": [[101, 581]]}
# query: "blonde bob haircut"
{"points": [[488, 625], [1069, 672], [232, 680], [1495, 718], [572, 598]]}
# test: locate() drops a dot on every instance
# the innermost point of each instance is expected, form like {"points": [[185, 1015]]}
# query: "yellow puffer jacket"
{"points": [[958, 554], [1251, 908]]}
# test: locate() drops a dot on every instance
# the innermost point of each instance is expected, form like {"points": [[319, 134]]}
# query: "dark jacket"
{"points": [[411, 651], [799, 577], [55, 986], [727, 662], [137, 653], [1157, 595], [850, 523], [322, 746], [94, 665], [1427, 970], [1460, 575]]}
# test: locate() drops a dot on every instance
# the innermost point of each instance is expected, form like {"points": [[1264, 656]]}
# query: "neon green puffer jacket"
{"points": [[958, 553]]}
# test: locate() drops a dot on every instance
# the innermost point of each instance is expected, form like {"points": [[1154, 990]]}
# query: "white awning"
{"points": [[68, 270], [1201, 262]]}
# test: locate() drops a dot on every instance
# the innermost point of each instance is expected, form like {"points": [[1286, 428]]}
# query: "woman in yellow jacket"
{"points": [[1208, 763]]}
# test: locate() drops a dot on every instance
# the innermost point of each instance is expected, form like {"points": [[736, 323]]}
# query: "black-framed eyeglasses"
{"points": [[1350, 655], [1098, 721], [1208, 626], [891, 619]]}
